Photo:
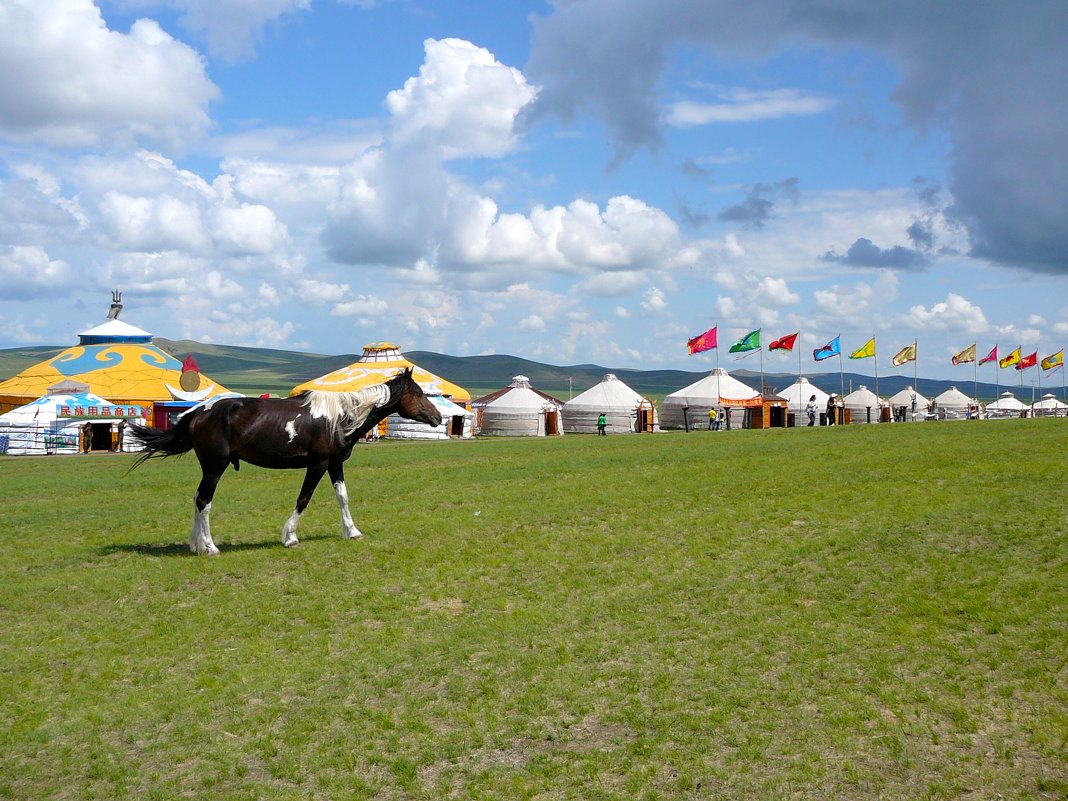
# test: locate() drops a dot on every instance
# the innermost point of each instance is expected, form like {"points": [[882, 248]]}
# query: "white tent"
{"points": [[859, 401], [914, 403], [519, 411], [953, 405], [54, 424], [717, 390], [797, 395], [1049, 406], [456, 421], [1006, 406], [625, 411]]}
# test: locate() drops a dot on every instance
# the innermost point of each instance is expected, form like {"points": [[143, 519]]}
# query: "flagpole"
{"points": [[975, 364], [875, 355], [761, 349], [916, 366], [997, 380], [841, 372]]}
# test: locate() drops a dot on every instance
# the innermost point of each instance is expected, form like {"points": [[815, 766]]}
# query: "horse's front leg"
{"points": [[307, 489], [337, 478]]}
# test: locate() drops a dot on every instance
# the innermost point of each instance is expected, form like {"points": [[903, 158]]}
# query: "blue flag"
{"points": [[832, 348]]}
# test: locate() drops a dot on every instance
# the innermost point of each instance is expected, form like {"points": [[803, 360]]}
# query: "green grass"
{"points": [[864, 613]]}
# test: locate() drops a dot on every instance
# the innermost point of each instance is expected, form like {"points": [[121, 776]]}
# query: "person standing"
{"points": [[830, 409], [87, 437], [812, 411], [712, 420], [602, 422]]}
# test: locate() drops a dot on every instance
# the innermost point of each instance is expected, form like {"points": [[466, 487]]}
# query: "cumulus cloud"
{"points": [[1003, 112], [27, 273], [865, 253], [759, 204], [70, 81], [854, 304], [955, 313]]}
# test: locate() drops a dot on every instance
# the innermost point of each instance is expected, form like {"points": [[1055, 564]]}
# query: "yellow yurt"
{"points": [[379, 363], [119, 362]]}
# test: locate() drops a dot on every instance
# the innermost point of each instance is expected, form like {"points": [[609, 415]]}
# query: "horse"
{"points": [[315, 430]]}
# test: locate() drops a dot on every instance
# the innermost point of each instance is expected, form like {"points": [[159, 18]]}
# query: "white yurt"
{"points": [[625, 411], [55, 423], [797, 395], [913, 402], [456, 421], [518, 410], [953, 405], [1007, 405], [717, 390], [859, 401], [1049, 406]]}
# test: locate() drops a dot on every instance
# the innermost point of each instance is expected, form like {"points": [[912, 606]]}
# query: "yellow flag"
{"points": [[1011, 359], [865, 352], [1056, 360], [965, 356], [906, 354]]}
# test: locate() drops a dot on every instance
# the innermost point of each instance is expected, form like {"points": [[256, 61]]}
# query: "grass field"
{"points": [[861, 613]]}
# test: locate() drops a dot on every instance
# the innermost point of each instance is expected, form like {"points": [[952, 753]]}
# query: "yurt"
{"points": [[456, 422], [908, 405], [625, 411], [379, 363], [69, 419], [953, 405], [116, 361], [797, 395], [1006, 406], [858, 402], [717, 390], [1049, 406], [518, 410]]}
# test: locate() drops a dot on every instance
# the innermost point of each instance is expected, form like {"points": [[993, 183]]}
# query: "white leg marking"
{"points": [[348, 528], [289, 530], [200, 541]]}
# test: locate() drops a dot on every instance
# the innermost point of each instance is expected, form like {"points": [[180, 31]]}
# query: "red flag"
{"points": [[1027, 361], [990, 357], [701, 342], [784, 343]]}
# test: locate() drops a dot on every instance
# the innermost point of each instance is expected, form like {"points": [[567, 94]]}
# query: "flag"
{"points": [[784, 343], [832, 348], [965, 356], [1027, 361], [990, 357], [906, 354], [1056, 360], [864, 352], [702, 342], [1010, 360], [750, 341]]}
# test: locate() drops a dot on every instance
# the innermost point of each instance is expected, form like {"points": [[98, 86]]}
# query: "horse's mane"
{"points": [[346, 410]]}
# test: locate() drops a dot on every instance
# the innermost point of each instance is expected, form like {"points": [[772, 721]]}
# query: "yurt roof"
{"points": [[1050, 401], [953, 397], [611, 393], [379, 363], [801, 390], [520, 388], [1008, 401], [116, 364], [718, 386], [861, 397], [904, 398]]}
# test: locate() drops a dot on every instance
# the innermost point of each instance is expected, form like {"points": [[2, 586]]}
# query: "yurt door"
{"points": [[552, 423]]}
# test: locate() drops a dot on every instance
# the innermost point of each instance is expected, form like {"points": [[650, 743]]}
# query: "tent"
{"points": [[953, 405], [1049, 406], [379, 363], [518, 410], [626, 411], [456, 421], [797, 395], [1006, 406], [55, 423], [908, 405], [116, 361], [859, 401], [717, 390]]}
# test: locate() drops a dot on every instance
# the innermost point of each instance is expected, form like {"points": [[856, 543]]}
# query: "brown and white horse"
{"points": [[315, 431]]}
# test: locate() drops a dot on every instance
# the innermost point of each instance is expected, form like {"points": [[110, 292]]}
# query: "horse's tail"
{"points": [[173, 442]]}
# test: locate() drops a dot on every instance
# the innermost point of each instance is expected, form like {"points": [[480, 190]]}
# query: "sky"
{"points": [[578, 181]]}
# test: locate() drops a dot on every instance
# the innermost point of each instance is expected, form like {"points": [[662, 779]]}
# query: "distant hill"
{"points": [[259, 370]]}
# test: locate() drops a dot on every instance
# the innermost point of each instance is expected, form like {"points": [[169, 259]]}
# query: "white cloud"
{"points": [[741, 105], [532, 323], [955, 313], [654, 300], [80, 84], [28, 272]]}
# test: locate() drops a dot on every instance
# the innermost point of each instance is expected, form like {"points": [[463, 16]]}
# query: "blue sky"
{"points": [[570, 182]]}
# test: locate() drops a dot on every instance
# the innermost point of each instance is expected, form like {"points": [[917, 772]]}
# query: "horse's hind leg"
{"points": [[200, 541], [307, 489], [337, 478]]}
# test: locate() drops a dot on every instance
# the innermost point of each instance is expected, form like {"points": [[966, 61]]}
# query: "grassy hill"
{"points": [[258, 370]]}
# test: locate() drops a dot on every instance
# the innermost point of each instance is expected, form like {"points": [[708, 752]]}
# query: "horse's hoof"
{"points": [[352, 535], [291, 543]]}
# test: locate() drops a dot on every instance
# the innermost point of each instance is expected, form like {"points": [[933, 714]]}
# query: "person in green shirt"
{"points": [[602, 421]]}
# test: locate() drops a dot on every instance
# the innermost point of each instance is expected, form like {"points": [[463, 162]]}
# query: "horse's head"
{"points": [[414, 404]]}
